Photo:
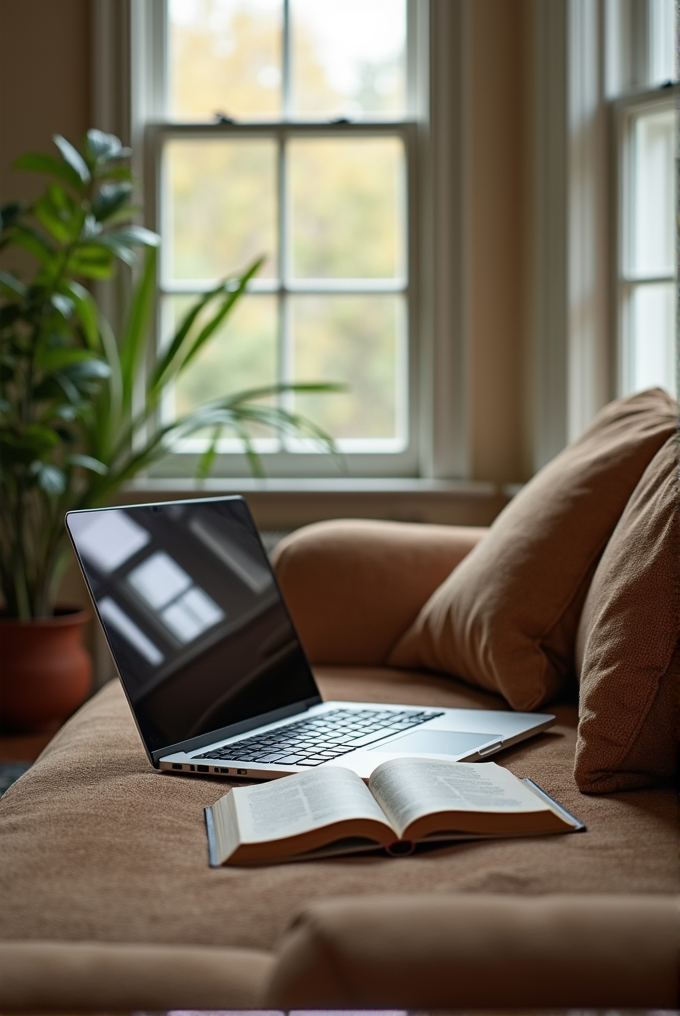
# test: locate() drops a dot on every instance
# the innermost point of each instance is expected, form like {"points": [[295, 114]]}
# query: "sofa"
{"points": [[570, 603]]}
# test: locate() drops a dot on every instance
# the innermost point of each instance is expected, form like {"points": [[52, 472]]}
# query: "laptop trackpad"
{"points": [[435, 742]]}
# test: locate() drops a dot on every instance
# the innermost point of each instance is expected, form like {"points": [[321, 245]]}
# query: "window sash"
{"points": [[396, 456], [628, 282]]}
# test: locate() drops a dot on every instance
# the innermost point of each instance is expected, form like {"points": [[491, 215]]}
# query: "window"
{"points": [[646, 132], [646, 289], [287, 128]]}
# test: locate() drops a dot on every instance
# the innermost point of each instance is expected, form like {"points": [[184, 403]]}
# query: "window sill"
{"points": [[284, 504]]}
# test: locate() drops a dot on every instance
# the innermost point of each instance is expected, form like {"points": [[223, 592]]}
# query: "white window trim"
{"points": [[125, 96], [624, 111]]}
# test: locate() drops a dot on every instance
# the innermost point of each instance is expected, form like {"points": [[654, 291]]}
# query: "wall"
{"points": [[496, 167], [44, 81]]}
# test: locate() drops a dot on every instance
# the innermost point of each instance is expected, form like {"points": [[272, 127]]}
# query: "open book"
{"points": [[331, 811]]}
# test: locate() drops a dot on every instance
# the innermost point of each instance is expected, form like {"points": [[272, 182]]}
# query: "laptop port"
{"points": [[176, 765], [242, 772], [193, 768], [203, 769], [218, 770]]}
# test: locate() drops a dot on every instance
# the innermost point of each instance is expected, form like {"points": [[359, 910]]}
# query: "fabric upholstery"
{"points": [[353, 586], [77, 976], [471, 952], [628, 648], [506, 618], [98, 846]]}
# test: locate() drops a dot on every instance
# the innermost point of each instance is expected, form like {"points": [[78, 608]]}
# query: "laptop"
{"points": [[212, 666]]}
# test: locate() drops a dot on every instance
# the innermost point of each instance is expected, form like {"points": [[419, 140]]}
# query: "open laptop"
{"points": [[212, 666]]}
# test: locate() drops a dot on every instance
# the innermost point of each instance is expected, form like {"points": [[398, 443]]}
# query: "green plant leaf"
{"points": [[12, 284], [63, 305], [173, 360], [90, 369], [86, 309], [134, 235], [211, 327], [136, 327], [72, 157], [207, 459], [92, 261], [102, 147], [109, 172], [53, 358], [120, 250], [88, 462], [35, 244], [91, 228], [51, 479], [54, 223], [38, 162], [40, 439], [110, 198]]}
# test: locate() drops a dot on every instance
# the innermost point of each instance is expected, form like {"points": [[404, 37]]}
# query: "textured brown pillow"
{"points": [[629, 642], [506, 617]]}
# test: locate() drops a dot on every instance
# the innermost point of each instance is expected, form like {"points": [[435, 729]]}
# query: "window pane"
{"points": [[356, 340], [242, 354], [653, 332], [225, 56], [220, 207], [348, 58], [653, 239], [347, 208]]}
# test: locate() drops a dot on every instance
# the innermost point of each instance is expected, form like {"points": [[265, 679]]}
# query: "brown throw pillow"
{"points": [[506, 617], [629, 642]]}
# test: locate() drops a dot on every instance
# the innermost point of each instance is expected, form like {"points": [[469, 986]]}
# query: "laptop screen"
{"points": [[193, 615]]}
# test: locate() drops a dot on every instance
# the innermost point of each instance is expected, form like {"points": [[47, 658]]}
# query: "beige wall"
{"points": [[497, 137], [44, 81]]}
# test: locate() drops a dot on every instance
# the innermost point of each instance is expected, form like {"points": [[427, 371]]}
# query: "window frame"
{"points": [[148, 30], [625, 111]]}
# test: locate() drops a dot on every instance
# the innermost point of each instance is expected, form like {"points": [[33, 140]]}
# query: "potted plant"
{"points": [[78, 416]]}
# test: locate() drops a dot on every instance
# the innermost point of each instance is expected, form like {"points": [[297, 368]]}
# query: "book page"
{"points": [[407, 789], [300, 803]]}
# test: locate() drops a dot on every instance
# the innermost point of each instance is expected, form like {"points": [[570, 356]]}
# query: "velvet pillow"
{"points": [[506, 617], [628, 645]]}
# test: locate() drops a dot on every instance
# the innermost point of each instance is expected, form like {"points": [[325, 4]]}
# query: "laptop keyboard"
{"points": [[322, 738]]}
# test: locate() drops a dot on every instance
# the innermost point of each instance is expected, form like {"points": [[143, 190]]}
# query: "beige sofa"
{"points": [[108, 901]]}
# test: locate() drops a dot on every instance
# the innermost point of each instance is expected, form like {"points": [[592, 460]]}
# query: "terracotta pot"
{"points": [[45, 673]]}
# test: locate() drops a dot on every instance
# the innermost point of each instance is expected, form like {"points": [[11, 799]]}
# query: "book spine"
{"points": [[212, 842]]}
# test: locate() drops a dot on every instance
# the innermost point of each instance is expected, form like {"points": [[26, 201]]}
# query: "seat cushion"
{"points": [[628, 645], [506, 618], [98, 846]]}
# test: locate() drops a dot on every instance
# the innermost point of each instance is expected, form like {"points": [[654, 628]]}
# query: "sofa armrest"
{"points": [[467, 951], [354, 586], [39, 976]]}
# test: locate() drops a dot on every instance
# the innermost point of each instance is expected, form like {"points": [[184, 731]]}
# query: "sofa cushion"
{"points": [[628, 645], [353, 586], [479, 951], [98, 846], [506, 617]]}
